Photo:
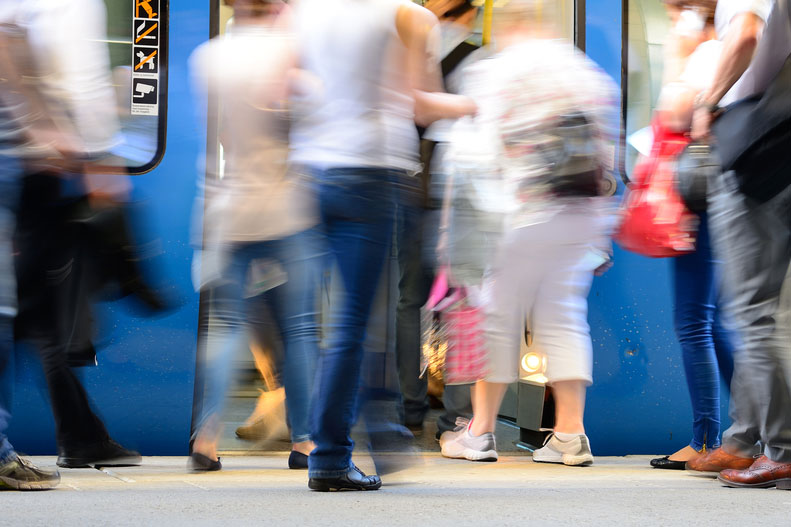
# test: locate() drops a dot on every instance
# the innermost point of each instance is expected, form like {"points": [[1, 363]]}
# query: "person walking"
{"points": [[68, 117], [546, 118], [258, 220], [355, 140]]}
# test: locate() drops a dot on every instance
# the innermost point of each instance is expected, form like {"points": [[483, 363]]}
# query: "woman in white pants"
{"points": [[548, 112]]}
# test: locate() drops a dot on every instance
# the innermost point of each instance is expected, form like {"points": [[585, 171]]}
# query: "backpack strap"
{"points": [[455, 57]]}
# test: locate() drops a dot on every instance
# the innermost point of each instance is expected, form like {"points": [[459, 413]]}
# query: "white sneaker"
{"points": [[460, 444], [462, 423], [575, 452]]}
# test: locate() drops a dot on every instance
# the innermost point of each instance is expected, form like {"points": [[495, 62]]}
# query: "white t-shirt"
{"points": [[773, 48], [365, 113], [702, 64]]}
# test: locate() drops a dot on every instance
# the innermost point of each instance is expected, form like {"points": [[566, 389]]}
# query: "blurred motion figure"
{"points": [[65, 119], [418, 219], [258, 219], [751, 236], [355, 140], [534, 160]]}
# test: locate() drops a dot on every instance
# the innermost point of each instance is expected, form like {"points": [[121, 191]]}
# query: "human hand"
{"points": [[603, 268], [701, 124]]}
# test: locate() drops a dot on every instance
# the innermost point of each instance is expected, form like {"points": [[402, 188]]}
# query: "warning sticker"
{"points": [[146, 60], [145, 97], [146, 33], [147, 9], [146, 54]]}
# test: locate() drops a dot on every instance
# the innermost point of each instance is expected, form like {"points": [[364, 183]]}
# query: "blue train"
{"points": [[144, 386]]}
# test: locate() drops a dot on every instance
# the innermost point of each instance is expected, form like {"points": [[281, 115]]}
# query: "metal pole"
{"points": [[488, 8]]}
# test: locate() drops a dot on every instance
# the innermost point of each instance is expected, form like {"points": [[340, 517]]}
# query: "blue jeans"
{"points": [[706, 347], [10, 178], [6, 349], [294, 310], [356, 207]]}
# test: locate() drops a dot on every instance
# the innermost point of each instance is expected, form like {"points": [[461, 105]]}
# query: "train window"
{"points": [[648, 24], [137, 39]]}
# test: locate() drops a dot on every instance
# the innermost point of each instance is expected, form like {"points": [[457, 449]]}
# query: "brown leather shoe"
{"points": [[718, 460], [763, 473]]}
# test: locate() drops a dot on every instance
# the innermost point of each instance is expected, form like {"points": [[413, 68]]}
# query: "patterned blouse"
{"points": [[522, 92]]}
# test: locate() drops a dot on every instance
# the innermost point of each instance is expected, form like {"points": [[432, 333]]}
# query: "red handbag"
{"points": [[655, 220]]}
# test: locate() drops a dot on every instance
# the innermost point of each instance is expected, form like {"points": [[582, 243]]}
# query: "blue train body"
{"points": [[144, 385]]}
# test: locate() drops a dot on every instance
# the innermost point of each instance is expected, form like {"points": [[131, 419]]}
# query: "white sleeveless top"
{"points": [[363, 114]]}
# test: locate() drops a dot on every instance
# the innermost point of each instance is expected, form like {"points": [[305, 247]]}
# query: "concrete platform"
{"points": [[260, 490]]}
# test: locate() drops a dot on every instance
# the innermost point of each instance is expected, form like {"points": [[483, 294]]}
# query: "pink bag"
{"points": [[453, 341]]}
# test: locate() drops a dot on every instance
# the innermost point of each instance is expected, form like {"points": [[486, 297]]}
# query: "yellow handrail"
{"points": [[488, 8]]}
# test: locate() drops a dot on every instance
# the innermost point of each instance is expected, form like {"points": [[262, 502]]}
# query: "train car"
{"points": [[145, 383]]}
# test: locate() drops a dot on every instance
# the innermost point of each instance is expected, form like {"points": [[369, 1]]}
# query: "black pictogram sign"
{"points": [[144, 91], [146, 33], [146, 60]]}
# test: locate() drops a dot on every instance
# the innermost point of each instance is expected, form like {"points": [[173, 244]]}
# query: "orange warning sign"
{"points": [[146, 9]]}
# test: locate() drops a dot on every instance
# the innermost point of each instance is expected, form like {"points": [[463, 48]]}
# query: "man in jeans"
{"points": [[754, 243], [355, 139]]}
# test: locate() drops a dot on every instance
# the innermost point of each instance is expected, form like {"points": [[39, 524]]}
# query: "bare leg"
{"points": [[486, 399], [304, 447], [685, 454], [569, 406]]}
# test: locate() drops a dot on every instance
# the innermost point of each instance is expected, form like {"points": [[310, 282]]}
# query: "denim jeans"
{"points": [[356, 207], [294, 310], [706, 347], [6, 384], [10, 174]]}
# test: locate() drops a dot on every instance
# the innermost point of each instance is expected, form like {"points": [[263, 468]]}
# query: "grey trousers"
{"points": [[753, 241]]}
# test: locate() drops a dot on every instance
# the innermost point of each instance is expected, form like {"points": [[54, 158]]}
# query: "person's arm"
{"points": [[418, 29], [44, 129], [739, 45]]}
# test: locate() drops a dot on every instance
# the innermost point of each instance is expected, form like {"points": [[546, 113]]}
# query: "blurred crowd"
{"points": [[353, 131]]}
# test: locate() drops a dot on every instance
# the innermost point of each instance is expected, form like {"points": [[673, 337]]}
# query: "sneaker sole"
{"points": [[27, 485], [568, 460], [473, 455]]}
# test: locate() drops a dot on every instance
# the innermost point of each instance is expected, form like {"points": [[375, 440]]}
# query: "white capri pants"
{"points": [[543, 272]]}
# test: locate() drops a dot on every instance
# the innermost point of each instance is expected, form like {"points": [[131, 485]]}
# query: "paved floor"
{"points": [[260, 490]]}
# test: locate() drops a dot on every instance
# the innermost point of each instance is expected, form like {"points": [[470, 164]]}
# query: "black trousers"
{"points": [[54, 311]]}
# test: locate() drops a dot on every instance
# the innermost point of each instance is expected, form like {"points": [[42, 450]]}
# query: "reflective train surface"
{"points": [[144, 384]]}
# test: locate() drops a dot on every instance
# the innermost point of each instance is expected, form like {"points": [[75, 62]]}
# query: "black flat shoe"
{"points": [[200, 463], [353, 479], [297, 460], [103, 454], [667, 463]]}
